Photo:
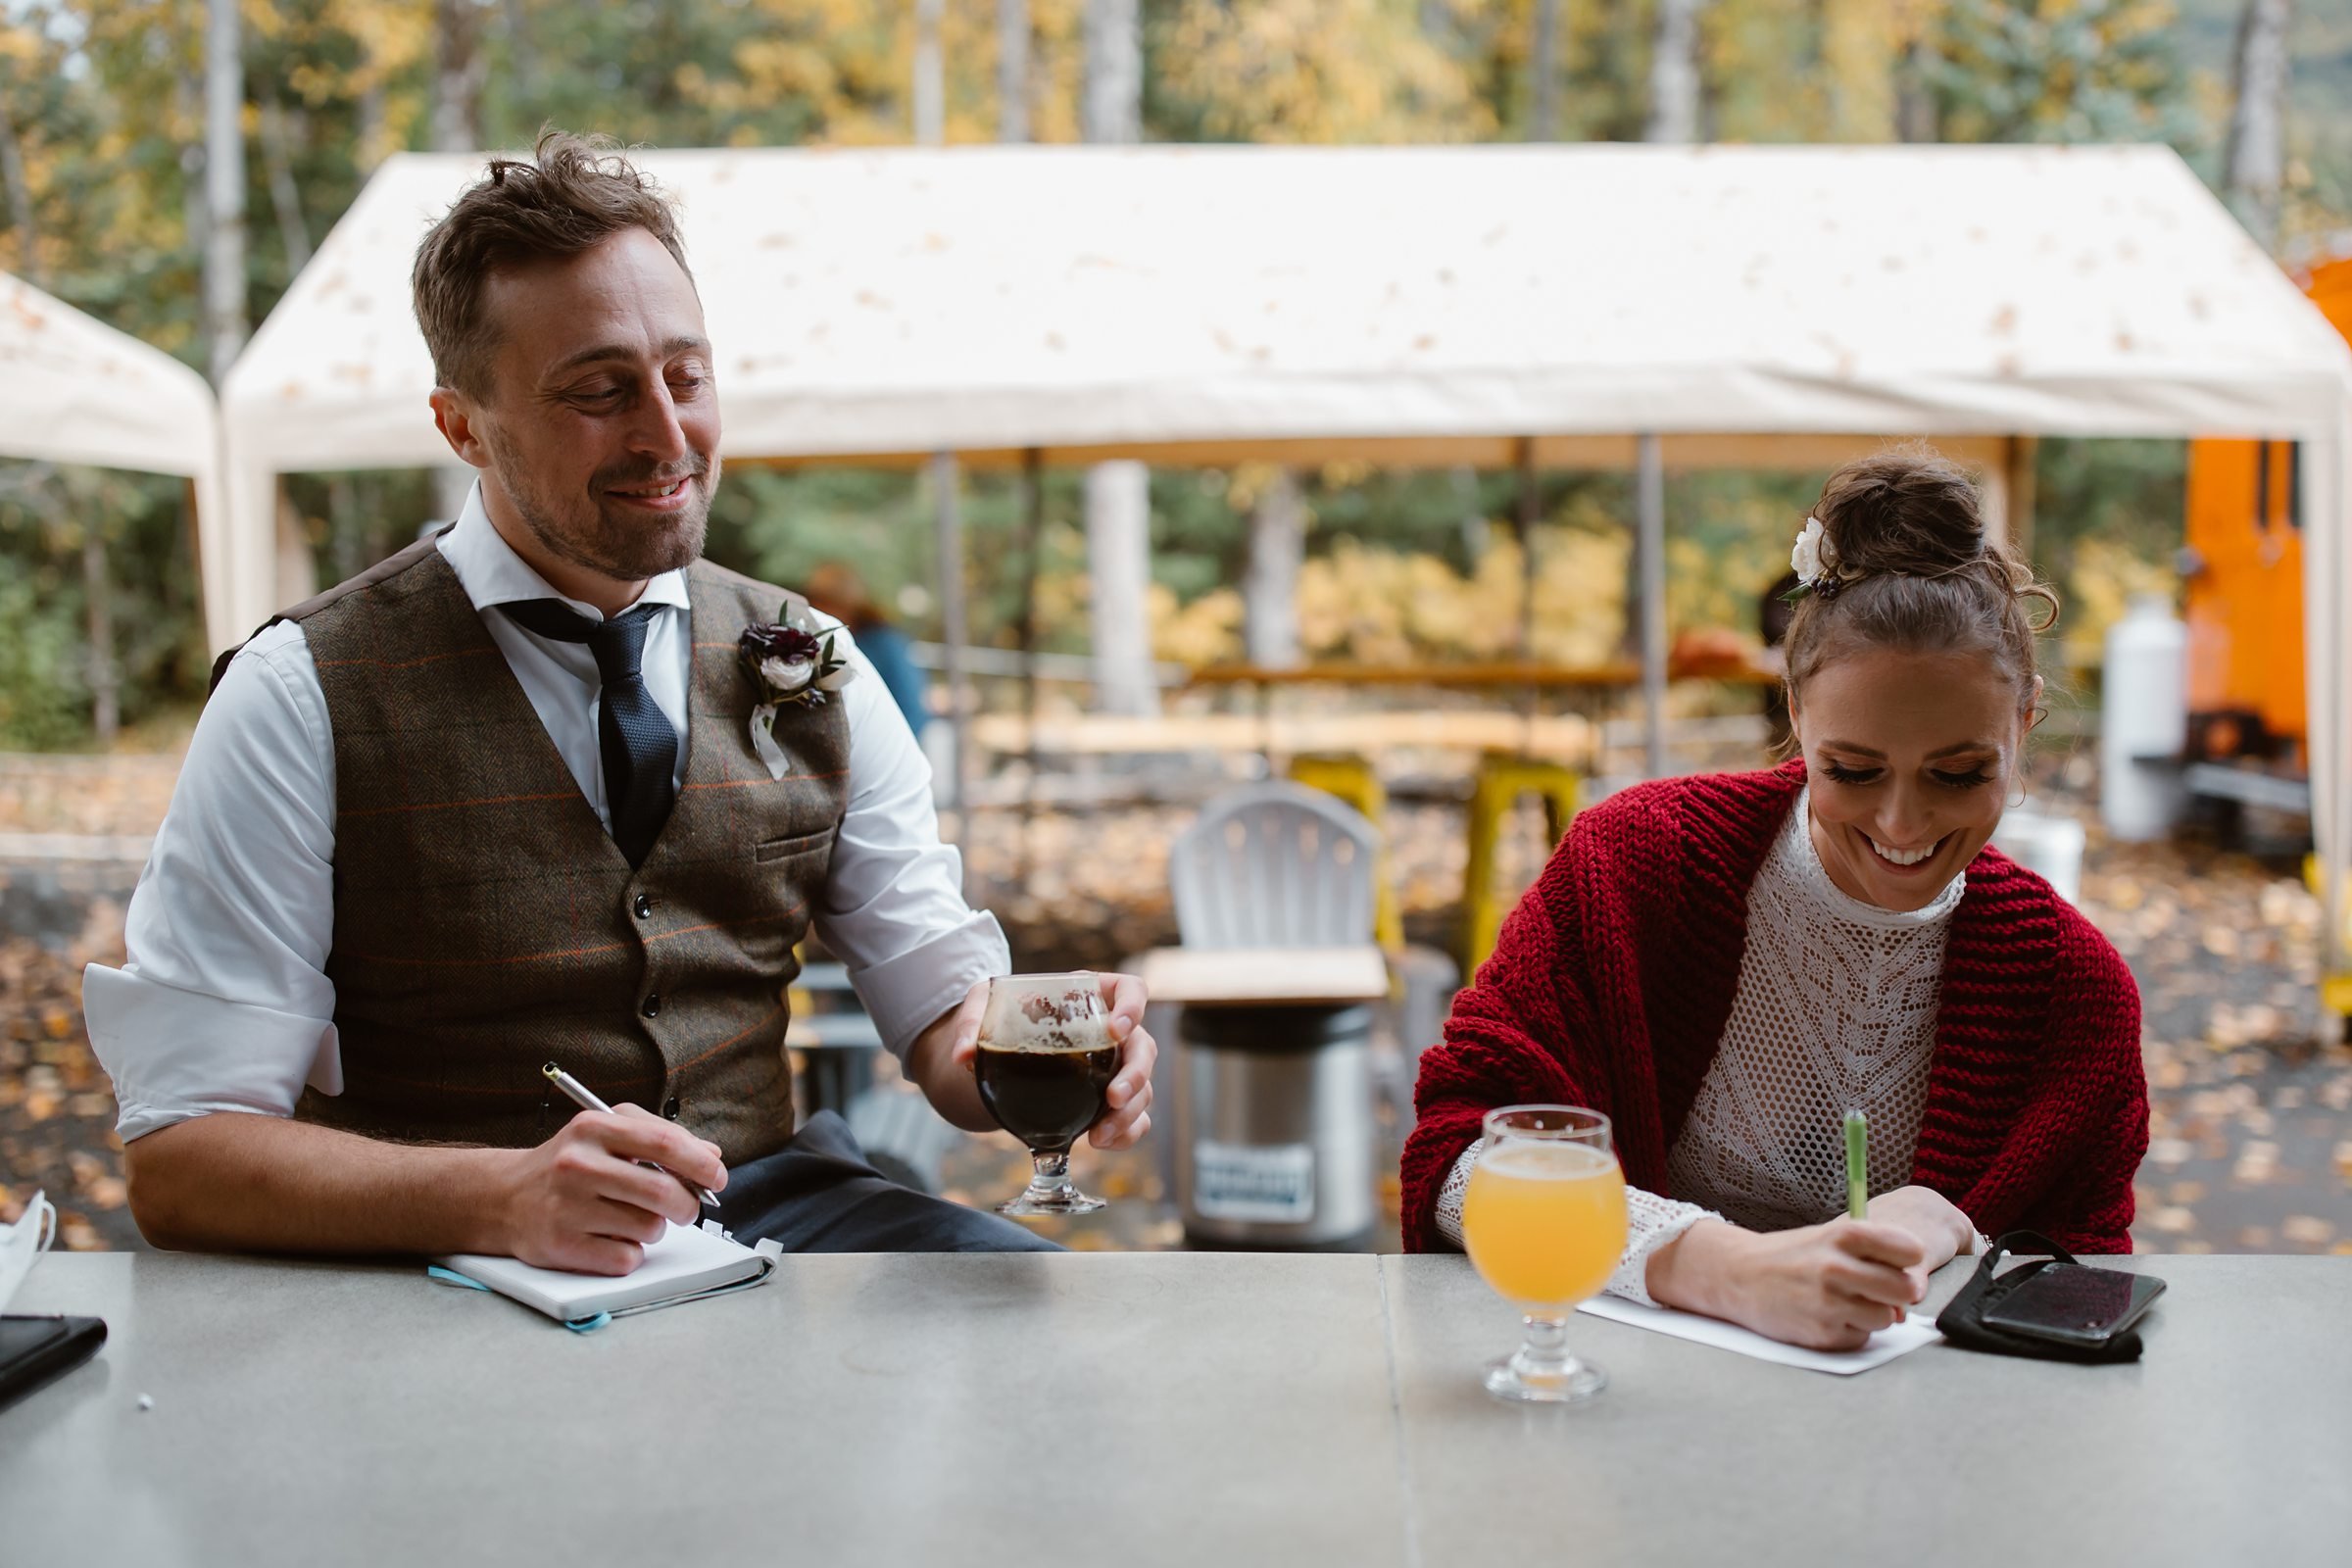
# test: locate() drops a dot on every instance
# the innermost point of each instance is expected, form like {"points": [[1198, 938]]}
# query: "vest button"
{"points": [[643, 906], [653, 1005]]}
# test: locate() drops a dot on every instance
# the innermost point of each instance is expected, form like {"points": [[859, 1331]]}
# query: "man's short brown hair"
{"points": [[575, 191]]}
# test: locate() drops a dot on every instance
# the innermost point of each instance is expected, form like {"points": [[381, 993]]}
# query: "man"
{"points": [[497, 802]]}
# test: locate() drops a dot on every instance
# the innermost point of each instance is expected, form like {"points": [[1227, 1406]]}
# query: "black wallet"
{"points": [[34, 1350], [1962, 1319]]}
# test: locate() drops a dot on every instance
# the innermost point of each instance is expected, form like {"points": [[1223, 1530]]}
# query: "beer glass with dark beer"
{"points": [[1045, 1064]]}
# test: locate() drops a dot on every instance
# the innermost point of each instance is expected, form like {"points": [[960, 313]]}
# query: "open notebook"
{"points": [[684, 1265]]}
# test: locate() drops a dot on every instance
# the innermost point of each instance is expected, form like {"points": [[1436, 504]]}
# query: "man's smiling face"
{"points": [[599, 419]]}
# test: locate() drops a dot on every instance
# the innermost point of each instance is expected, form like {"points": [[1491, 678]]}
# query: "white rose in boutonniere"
{"points": [[791, 661]]}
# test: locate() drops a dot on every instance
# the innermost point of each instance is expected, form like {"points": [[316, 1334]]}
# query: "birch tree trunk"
{"points": [[1270, 581], [1673, 74], [106, 684], [21, 214], [1013, 71], [2256, 157], [1118, 554], [1112, 110], [285, 195], [224, 189], [1544, 73], [1118, 495], [1915, 116], [930, 92], [458, 75]]}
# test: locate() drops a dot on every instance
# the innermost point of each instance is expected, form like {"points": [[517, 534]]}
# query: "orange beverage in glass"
{"points": [[1543, 1221]]}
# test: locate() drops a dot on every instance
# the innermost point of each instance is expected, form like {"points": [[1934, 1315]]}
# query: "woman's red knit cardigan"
{"points": [[1613, 978]]}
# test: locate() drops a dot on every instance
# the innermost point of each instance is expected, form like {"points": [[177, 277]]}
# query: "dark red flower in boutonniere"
{"points": [[789, 661]]}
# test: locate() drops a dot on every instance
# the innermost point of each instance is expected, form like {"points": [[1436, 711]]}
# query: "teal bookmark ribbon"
{"points": [[450, 1276]]}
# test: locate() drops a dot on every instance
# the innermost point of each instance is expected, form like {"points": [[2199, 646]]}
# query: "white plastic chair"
{"points": [[1274, 865]]}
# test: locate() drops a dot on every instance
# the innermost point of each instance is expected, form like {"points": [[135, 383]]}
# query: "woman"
{"points": [[1726, 963]]}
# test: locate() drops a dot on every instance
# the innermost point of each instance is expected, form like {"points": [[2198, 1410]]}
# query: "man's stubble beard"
{"points": [[620, 548]]}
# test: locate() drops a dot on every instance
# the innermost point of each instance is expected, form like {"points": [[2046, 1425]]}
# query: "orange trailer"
{"points": [[2245, 581]]}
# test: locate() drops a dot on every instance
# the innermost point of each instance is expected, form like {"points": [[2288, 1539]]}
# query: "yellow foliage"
{"points": [[1375, 606], [1322, 72], [2104, 581], [1206, 631]]}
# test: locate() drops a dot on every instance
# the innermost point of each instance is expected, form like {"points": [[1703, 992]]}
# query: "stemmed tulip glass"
{"points": [[1044, 1065], [1543, 1221]]}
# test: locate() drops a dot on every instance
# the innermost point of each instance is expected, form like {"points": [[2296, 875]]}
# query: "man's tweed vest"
{"points": [[486, 923]]}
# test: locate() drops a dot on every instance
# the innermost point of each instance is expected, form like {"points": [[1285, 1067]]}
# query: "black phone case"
{"points": [[77, 1339], [2139, 1305], [1962, 1319]]}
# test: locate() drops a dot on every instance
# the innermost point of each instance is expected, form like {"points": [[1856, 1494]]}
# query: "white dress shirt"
{"points": [[224, 1003]]}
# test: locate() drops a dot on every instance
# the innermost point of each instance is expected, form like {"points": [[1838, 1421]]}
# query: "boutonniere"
{"points": [[790, 661]]}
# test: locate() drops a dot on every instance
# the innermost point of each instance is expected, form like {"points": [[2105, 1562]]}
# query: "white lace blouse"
{"points": [[1835, 1009]]}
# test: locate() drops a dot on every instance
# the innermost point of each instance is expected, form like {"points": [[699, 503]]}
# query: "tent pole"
{"points": [[1033, 540], [2327, 488], [1523, 528], [1650, 545], [947, 524], [1523, 525], [2023, 453]]}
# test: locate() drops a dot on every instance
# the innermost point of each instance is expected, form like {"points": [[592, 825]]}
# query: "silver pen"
{"points": [[585, 1097]]}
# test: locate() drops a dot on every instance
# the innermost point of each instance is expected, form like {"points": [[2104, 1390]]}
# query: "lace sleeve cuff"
{"points": [[1450, 1195], [1651, 1222]]}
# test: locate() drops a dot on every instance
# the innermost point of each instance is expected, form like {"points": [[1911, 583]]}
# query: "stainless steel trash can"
{"points": [[1274, 1128]]}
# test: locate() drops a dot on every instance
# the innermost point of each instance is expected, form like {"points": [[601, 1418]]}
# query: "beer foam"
{"points": [[1533, 1159], [1057, 1038]]}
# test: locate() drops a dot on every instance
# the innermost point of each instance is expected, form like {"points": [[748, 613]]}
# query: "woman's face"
{"points": [[1911, 758]]}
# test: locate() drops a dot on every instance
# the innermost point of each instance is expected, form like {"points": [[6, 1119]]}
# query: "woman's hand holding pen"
{"points": [[1823, 1287], [581, 1202]]}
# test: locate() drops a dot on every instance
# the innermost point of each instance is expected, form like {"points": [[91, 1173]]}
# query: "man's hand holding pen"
{"points": [[582, 1201]]}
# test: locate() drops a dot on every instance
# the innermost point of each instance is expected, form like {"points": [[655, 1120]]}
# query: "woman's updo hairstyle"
{"points": [[1914, 571]]}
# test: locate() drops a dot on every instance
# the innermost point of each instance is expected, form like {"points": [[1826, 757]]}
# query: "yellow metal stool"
{"points": [[1350, 778], [1503, 779], [2336, 986]]}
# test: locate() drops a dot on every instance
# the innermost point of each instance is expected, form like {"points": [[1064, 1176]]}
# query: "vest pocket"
{"points": [[784, 848]]}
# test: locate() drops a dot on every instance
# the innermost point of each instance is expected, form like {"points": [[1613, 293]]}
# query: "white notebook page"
{"points": [[682, 1263]]}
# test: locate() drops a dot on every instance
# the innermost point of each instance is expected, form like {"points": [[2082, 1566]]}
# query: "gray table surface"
{"points": [[1135, 1409]]}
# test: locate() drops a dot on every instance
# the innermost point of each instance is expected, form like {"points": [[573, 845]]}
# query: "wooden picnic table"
{"points": [[1491, 674]]}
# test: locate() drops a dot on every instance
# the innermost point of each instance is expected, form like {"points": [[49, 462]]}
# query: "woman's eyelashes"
{"points": [[1975, 779]]}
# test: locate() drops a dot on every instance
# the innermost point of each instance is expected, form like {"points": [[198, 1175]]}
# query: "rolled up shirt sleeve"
{"points": [[222, 1003], [893, 906]]}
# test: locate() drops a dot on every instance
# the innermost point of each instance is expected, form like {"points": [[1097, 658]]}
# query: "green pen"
{"points": [[1857, 1165]]}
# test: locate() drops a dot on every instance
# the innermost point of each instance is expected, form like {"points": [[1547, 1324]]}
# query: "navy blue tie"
{"points": [[640, 749]]}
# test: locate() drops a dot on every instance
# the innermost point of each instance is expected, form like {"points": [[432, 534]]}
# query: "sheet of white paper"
{"points": [[22, 1244], [1881, 1348]]}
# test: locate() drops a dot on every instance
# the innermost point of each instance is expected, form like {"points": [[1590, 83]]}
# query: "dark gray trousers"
{"points": [[819, 1195]]}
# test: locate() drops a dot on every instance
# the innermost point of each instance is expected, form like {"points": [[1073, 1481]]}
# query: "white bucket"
{"points": [[2052, 846]]}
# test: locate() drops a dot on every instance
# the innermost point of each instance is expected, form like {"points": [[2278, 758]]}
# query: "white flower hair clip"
{"points": [[1814, 560]]}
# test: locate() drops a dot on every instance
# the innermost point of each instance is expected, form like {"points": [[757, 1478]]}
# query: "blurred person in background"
{"points": [[835, 589]]}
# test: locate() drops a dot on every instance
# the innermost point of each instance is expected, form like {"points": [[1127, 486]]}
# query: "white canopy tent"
{"points": [[75, 390], [1407, 305]]}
